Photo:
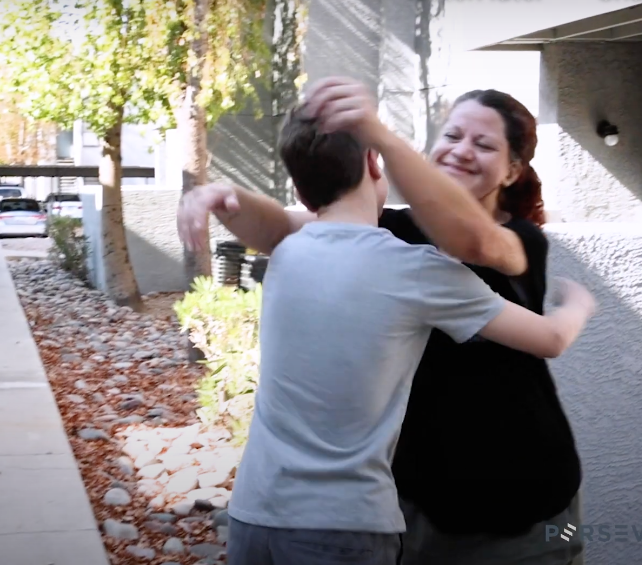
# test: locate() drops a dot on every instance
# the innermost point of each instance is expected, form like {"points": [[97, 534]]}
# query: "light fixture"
{"points": [[608, 132]]}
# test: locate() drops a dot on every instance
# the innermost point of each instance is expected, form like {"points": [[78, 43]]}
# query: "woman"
{"points": [[486, 460]]}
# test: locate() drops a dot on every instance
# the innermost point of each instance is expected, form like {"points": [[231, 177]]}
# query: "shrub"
{"points": [[223, 322], [69, 247]]}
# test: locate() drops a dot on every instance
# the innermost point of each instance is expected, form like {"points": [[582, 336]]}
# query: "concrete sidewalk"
{"points": [[23, 253], [45, 515]]}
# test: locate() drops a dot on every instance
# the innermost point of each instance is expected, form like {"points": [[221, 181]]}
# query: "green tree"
{"points": [[67, 62], [110, 62], [211, 55]]}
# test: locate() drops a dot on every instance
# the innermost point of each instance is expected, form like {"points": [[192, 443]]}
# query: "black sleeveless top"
{"points": [[485, 446]]}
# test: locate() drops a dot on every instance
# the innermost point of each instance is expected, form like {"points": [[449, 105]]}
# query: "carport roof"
{"points": [[623, 25]]}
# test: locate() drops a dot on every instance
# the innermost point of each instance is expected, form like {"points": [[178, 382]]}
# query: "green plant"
{"points": [[69, 247], [223, 323]]}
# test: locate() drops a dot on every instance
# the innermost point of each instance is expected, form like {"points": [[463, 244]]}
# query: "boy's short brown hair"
{"points": [[323, 166]]}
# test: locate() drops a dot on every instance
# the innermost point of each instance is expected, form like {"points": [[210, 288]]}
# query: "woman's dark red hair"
{"points": [[523, 198]]}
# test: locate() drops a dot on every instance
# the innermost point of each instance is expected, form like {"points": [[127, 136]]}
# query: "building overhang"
{"points": [[619, 26]]}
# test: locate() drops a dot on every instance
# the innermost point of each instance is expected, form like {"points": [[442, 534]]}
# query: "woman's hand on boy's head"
{"points": [[341, 103], [194, 210]]}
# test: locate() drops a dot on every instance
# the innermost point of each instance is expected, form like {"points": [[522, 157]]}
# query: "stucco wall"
{"points": [[152, 239], [582, 84], [344, 37], [597, 190], [241, 147], [599, 378]]}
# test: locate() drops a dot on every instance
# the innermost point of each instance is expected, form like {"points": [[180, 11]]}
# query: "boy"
{"points": [[347, 312]]}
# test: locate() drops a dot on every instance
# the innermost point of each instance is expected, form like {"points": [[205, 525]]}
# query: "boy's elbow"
{"points": [[556, 345]]}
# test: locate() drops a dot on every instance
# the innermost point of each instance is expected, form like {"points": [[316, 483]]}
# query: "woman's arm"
{"points": [[444, 210], [447, 212]]}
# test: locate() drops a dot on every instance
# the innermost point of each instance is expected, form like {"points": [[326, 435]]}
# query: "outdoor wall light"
{"points": [[608, 132]]}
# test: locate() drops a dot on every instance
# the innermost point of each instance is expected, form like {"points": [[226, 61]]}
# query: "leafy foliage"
{"points": [[87, 60], [236, 60], [69, 247], [224, 324], [23, 141]]}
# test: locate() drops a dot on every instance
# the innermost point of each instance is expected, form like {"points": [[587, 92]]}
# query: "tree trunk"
{"points": [[193, 132], [192, 126], [194, 136], [120, 281]]}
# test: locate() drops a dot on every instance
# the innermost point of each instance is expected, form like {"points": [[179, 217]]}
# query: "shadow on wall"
{"points": [[155, 269], [241, 150], [344, 37], [598, 379]]}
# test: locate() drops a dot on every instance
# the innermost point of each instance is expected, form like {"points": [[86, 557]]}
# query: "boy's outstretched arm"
{"points": [[545, 336], [258, 221]]}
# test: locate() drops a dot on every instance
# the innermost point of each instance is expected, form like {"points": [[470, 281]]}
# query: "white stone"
{"points": [[144, 459], [151, 471], [214, 479], [183, 482]]}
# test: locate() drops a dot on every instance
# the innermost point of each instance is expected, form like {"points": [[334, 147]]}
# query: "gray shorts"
{"points": [[257, 545], [422, 545]]}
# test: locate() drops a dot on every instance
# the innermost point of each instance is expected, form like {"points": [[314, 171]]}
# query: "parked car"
{"points": [[22, 217], [11, 191], [68, 205]]}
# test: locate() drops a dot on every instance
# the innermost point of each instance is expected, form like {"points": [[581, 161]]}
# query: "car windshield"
{"points": [[23, 205], [66, 198], [10, 192]]}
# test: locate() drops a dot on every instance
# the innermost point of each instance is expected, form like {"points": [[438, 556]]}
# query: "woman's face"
{"points": [[473, 149]]}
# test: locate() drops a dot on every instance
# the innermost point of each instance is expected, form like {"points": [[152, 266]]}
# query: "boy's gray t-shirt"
{"points": [[347, 312]]}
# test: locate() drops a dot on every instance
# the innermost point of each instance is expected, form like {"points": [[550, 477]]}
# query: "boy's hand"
{"points": [[341, 103], [569, 291], [194, 210]]}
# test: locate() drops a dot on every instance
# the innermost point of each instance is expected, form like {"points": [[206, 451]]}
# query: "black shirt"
{"points": [[485, 446]]}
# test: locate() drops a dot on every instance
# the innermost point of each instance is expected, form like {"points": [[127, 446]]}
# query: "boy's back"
{"points": [[347, 311]]}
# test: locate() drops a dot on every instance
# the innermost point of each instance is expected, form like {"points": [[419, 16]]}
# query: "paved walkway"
{"points": [[45, 515], [23, 253]]}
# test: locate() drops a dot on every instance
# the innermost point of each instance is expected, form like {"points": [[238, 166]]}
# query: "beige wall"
{"points": [[596, 192], [581, 84]]}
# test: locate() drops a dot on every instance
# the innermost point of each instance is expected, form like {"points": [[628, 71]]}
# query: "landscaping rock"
{"points": [[117, 497], [92, 434], [141, 552], [173, 546], [221, 518], [119, 530], [183, 482]]}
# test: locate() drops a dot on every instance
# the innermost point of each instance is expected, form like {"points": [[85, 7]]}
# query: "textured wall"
{"points": [[241, 148], [344, 37], [581, 84], [154, 248], [599, 377]]}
